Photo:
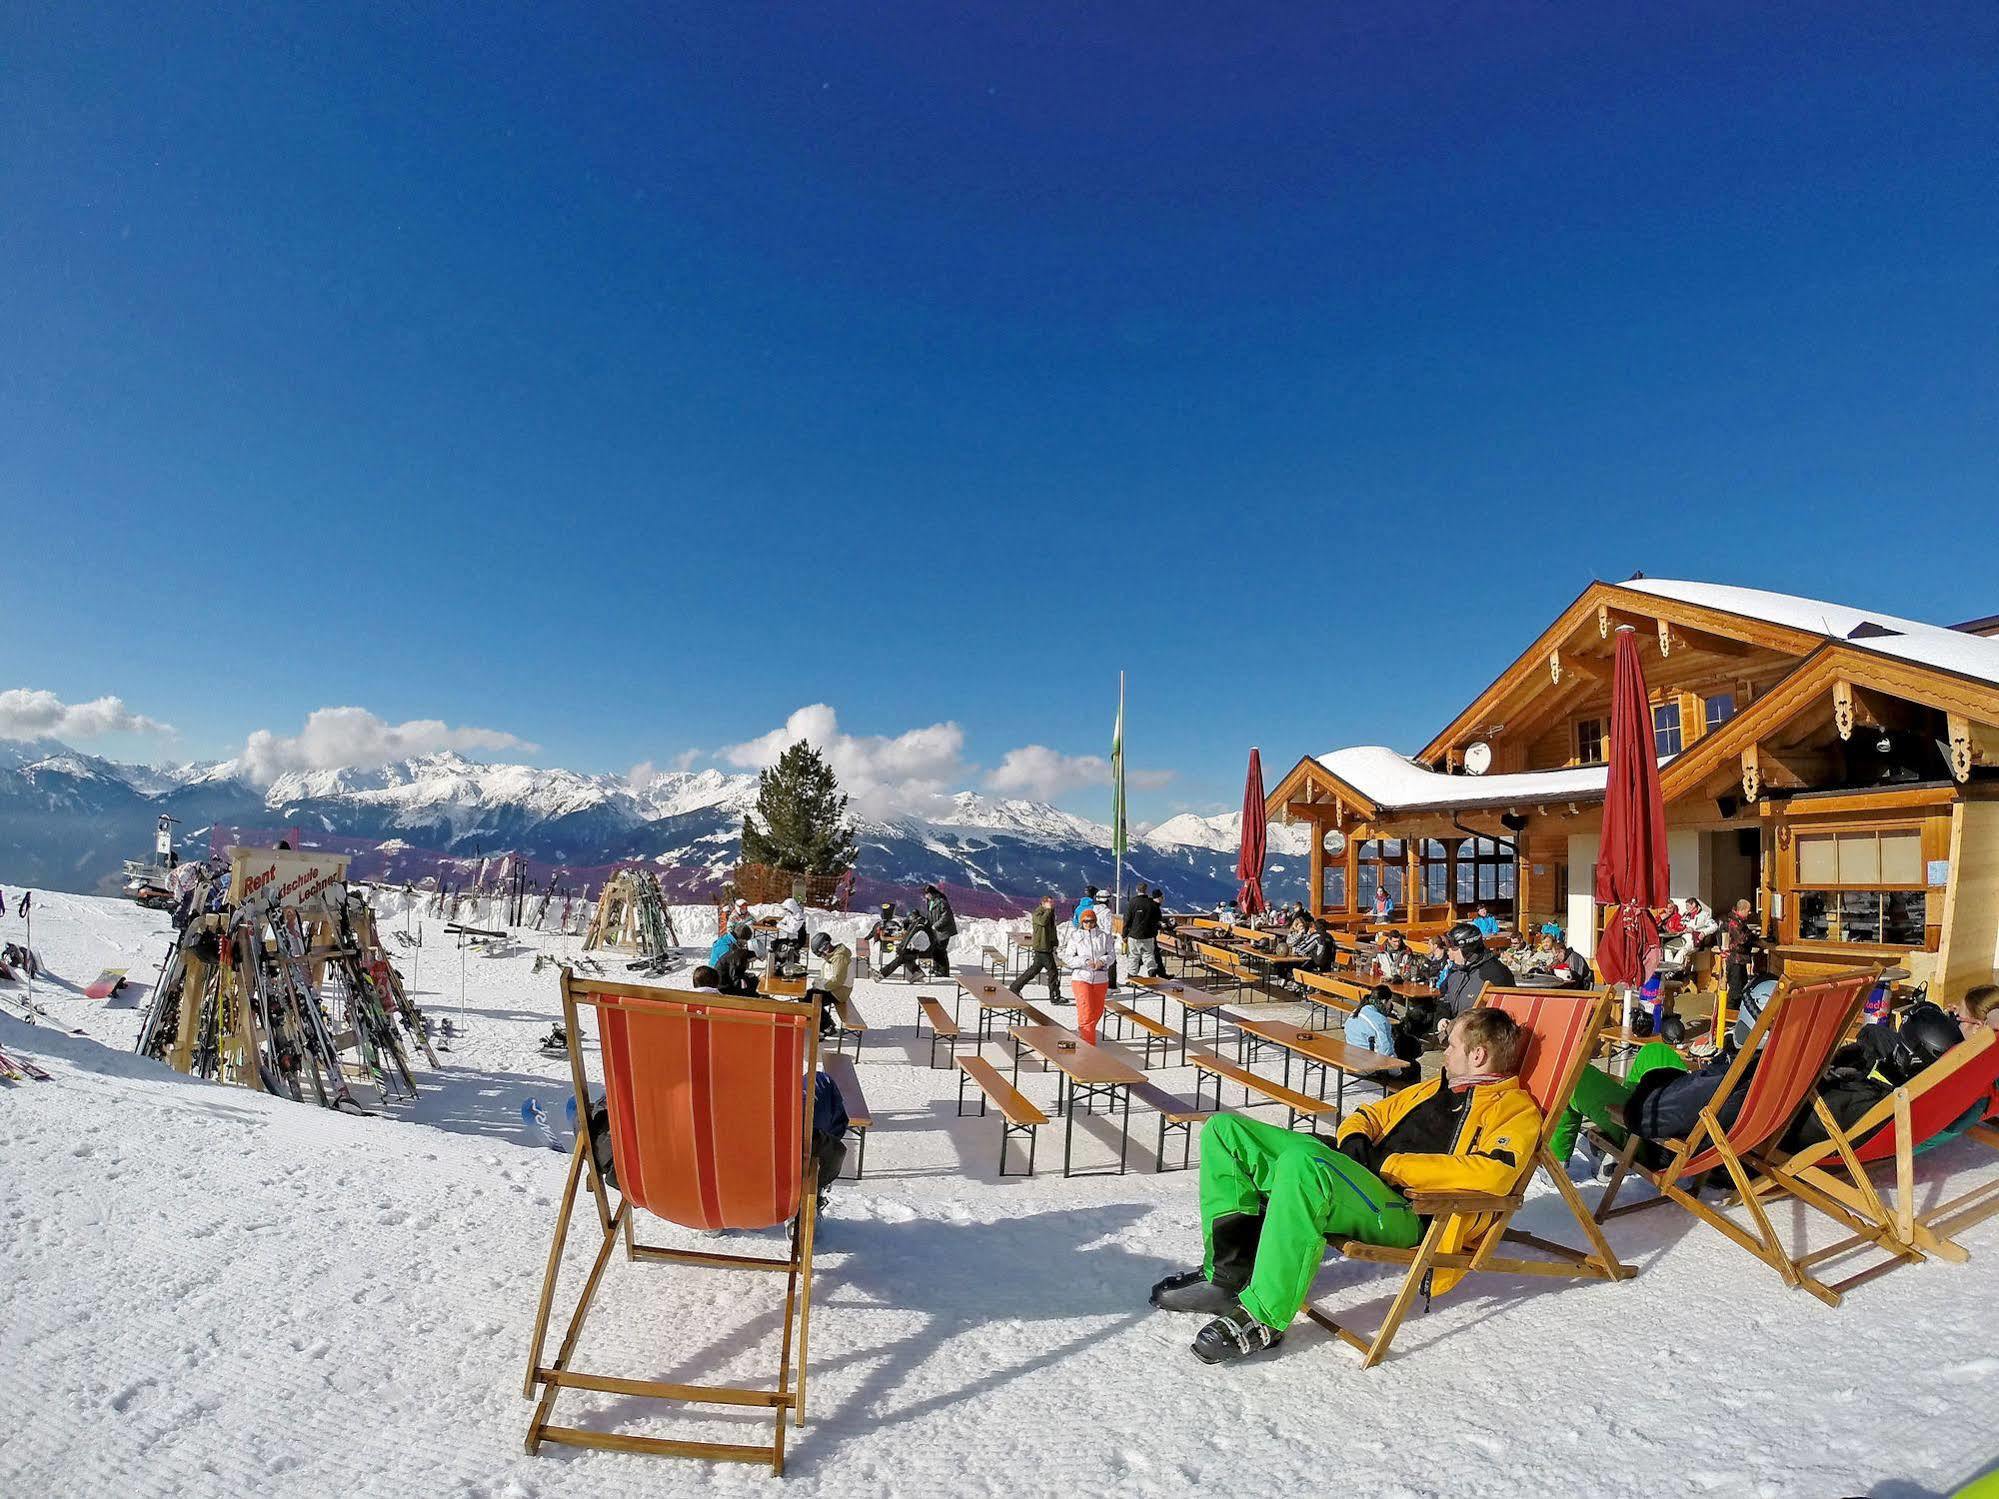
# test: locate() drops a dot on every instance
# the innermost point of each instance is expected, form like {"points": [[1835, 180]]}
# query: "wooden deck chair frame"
{"points": [[1443, 1209], [1891, 1223], [1737, 1147], [787, 1399]]}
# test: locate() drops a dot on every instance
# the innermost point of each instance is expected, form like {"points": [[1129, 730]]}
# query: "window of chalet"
{"points": [[1379, 865], [1333, 888], [1485, 871], [1589, 741], [1666, 728], [1718, 709], [1863, 886], [1436, 867]]}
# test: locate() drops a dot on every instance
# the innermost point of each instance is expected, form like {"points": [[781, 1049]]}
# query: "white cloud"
{"points": [[354, 737], [911, 772], [27, 713], [1043, 774]]}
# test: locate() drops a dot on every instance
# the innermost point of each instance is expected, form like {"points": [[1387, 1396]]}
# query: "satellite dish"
{"points": [[1478, 758]]}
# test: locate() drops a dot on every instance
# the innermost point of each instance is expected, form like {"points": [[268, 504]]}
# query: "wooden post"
{"points": [[1413, 880], [1316, 900], [1352, 855]]}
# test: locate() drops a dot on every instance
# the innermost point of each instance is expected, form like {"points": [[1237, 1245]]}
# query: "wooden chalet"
{"points": [[1837, 766]]}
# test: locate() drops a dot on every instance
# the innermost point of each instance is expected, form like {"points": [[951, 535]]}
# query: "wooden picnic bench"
{"points": [[943, 1029], [851, 1024], [1331, 997], [1018, 1113], [1175, 1114], [1302, 1105], [1156, 1032], [841, 1071], [992, 960]]}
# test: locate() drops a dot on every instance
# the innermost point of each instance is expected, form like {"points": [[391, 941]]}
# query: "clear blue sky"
{"points": [[624, 378]]}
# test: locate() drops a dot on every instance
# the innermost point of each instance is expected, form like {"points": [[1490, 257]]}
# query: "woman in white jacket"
{"points": [[1088, 953]]}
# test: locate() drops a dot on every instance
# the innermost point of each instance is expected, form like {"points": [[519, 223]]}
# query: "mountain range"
{"points": [[68, 820]]}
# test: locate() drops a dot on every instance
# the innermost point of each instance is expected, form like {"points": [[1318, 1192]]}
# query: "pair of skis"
{"points": [[14, 1069]]}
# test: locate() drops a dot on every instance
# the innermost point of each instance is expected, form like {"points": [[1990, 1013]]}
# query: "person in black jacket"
{"points": [[1570, 968], [1473, 966], [943, 927], [1141, 934]]}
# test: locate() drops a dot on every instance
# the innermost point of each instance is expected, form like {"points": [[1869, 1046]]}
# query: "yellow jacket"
{"points": [[1497, 1136]]}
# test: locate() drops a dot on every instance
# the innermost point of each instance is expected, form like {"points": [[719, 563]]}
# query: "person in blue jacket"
{"points": [[1373, 1026]]}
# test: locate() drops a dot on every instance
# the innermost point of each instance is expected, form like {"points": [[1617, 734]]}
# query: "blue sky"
{"points": [[625, 382]]}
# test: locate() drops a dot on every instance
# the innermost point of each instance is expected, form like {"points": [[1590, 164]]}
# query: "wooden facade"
{"points": [[1851, 794]]}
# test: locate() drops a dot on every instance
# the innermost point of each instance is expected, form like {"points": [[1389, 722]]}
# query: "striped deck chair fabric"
{"points": [[706, 1113]]}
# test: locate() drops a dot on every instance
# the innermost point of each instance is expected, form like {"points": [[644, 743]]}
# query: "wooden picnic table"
{"points": [[992, 997], [779, 987], [1088, 1073], [1321, 1052], [1195, 1003]]}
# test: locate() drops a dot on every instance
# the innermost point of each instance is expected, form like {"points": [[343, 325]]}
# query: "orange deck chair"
{"points": [[710, 1102], [1952, 1096], [1562, 1028], [1794, 1038]]}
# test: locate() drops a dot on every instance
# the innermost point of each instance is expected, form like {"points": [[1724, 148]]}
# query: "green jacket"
{"points": [[1044, 929]]}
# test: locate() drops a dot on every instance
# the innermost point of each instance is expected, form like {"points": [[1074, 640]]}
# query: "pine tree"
{"points": [[800, 821]]}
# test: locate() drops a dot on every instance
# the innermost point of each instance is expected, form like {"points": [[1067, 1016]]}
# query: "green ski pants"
{"points": [[1600, 1098], [1270, 1198]]}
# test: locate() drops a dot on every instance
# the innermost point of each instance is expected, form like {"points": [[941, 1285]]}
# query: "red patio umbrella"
{"points": [[1249, 863], [1631, 867]]}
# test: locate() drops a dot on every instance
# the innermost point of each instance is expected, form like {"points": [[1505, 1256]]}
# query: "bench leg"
{"points": [[861, 1155]]}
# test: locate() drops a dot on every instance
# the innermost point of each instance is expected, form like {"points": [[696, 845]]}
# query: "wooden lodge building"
{"points": [[1838, 767]]}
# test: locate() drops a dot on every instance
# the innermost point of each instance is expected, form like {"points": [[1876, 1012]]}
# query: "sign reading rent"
{"points": [[283, 876]]}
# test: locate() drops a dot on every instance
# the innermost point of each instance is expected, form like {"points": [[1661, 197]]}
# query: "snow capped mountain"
{"points": [[67, 819]]}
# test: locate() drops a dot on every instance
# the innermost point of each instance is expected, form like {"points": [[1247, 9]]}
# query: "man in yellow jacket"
{"points": [[1271, 1198]]}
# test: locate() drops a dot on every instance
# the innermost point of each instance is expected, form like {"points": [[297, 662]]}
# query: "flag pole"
{"points": [[1117, 831]]}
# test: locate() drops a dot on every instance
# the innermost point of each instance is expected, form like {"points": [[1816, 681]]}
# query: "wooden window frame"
{"points": [[1678, 729], [1795, 888], [1602, 723]]}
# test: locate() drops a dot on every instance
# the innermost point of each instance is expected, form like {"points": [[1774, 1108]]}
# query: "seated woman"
{"points": [[1373, 1026]]}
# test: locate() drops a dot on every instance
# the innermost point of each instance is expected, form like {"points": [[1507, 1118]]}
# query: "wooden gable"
{"points": [[1529, 713]]}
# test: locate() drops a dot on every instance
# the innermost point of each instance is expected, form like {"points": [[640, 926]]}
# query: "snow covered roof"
{"points": [[1973, 656], [1394, 782]]}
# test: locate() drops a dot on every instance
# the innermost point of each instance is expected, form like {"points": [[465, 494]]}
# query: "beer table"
{"points": [[993, 998], [1087, 1074], [1193, 1002], [1319, 1052]]}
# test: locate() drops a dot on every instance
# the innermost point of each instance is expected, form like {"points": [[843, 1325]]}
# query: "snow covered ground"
{"points": [[214, 1293]]}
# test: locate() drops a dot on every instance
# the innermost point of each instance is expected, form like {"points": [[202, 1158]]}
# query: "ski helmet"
{"points": [[822, 944], [1673, 1030], [740, 931], [1926, 1034], [1465, 938]]}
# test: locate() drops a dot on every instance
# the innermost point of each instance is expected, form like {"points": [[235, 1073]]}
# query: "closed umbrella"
{"points": [[1631, 870], [1249, 864]]}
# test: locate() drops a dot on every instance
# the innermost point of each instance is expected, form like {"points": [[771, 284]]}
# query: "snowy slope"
{"points": [[215, 1294]]}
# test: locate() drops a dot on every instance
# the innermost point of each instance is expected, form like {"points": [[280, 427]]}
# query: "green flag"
{"points": [[1117, 776]]}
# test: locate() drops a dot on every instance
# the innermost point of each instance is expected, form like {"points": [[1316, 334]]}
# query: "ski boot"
{"points": [[555, 1043]]}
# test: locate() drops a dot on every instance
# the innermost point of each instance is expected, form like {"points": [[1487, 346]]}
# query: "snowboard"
{"points": [[107, 983]]}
